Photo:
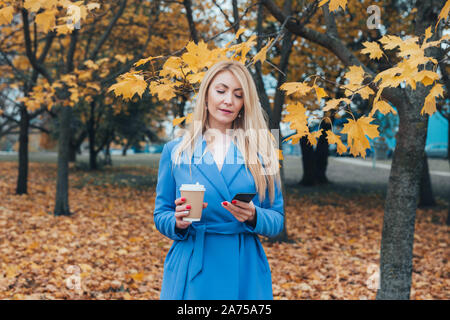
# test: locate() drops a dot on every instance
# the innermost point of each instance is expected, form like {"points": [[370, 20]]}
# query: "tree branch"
{"points": [[335, 45], [188, 6], [108, 30], [30, 54]]}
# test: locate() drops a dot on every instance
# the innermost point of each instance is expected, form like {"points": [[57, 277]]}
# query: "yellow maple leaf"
{"points": [[355, 75], [312, 137], [6, 15], [46, 20], [373, 49], [383, 107], [334, 103], [320, 93], [444, 13], [356, 134], [144, 61], [296, 137], [296, 87], [334, 4], [427, 77], [177, 121], [164, 90], [195, 77], [298, 119], [33, 5], [240, 31], [429, 106], [172, 67], [261, 55], [197, 56], [129, 84], [428, 34], [333, 138], [409, 47], [391, 42]]}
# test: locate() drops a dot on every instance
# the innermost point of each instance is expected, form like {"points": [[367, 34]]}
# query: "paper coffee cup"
{"points": [[194, 194]]}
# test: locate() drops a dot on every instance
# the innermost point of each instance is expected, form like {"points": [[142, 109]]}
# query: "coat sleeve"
{"points": [[164, 214], [269, 218]]}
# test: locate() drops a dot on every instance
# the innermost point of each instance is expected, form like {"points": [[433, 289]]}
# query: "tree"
{"points": [[418, 97]]}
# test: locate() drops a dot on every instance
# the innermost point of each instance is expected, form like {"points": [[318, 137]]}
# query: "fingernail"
{"points": [[183, 199], [233, 201], [188, 206], [224, 203]]}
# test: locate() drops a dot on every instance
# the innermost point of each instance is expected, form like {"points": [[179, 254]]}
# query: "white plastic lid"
{"points": [[192, 187]]}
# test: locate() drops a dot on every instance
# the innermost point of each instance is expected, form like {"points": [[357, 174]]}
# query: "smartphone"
{"points": [[244, 196]]}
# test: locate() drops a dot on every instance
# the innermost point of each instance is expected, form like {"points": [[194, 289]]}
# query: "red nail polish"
{"points": [[188, 206], [233, 201], [224, 203], [183, 199]]}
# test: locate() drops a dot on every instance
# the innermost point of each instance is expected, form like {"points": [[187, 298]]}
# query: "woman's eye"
{"points": [[220, 91], [239, 97]]}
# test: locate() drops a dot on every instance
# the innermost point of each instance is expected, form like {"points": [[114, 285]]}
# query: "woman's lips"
{"points": [[225, 111]]}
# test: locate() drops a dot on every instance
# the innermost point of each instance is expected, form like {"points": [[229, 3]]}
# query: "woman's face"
{"points": [[225, 99]]}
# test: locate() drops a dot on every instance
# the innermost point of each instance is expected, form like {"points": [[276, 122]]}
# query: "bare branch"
{"points": [[108, 30], [30, 54]]}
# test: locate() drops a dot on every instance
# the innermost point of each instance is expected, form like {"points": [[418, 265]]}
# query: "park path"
{"points": [[359, 174], [343, 172]]}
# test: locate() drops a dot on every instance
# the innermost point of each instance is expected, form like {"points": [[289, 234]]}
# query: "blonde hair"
{"points": [[246, 129]]}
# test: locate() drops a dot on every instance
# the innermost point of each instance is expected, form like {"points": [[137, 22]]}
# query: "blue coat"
{"points": [[217, 257]]}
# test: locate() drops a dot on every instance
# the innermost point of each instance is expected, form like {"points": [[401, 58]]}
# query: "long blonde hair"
{"points": [[251, 133]]}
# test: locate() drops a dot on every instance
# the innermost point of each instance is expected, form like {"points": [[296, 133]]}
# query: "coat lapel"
{"points": [[204, 162], [234, 161]]}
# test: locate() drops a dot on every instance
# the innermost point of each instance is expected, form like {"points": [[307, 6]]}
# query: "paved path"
{"points": [[384, 166], [343, 172], [359, 175]]}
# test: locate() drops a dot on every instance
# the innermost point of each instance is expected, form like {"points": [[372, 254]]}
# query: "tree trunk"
{"points": [[125, 149], [321, 156], [401, 199], [91, 137], [308, 162], [426, 190], [72, 151], [448, 215], [314, 162], [62, 185], [108, 159], [23, 151]]}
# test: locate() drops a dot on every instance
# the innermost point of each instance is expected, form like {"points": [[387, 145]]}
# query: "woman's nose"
{"points": [[228, 99]]}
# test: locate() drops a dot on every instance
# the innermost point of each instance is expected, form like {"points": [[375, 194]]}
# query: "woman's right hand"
{"points": [[182, 210]]}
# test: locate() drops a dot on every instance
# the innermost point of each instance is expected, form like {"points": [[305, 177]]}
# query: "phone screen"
{"points": [[245, 197]]}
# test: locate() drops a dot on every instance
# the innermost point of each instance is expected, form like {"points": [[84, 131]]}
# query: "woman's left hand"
{"points": [[241, 210]]}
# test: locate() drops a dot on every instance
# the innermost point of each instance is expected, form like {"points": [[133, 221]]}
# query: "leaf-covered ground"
{"points": [[111, 245]]}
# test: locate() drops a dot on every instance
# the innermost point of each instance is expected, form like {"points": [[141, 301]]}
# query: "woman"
{"points": [[220, 256]]}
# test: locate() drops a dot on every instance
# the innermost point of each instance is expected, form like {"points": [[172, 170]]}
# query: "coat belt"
{"points": [[199, 231]]}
